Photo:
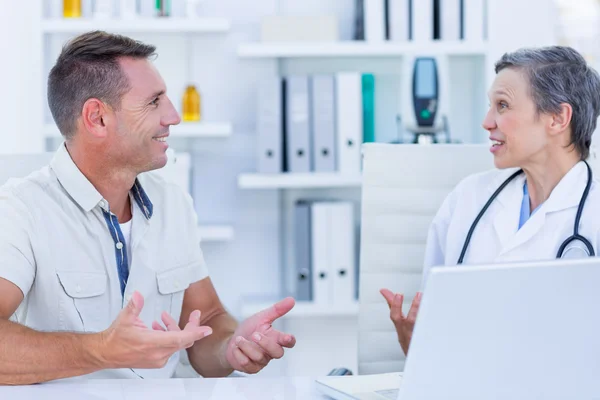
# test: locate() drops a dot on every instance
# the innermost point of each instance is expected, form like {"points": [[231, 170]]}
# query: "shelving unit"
{"points": [[183, 130], [298, 181], [140, 25], [357, 49], [305, 310]]}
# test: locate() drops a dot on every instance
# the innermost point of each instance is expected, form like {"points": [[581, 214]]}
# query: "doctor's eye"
{"points": [[502, 105], [154, 102]]}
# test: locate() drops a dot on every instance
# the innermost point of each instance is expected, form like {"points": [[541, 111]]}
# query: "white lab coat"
{"points": [[497, 237]]}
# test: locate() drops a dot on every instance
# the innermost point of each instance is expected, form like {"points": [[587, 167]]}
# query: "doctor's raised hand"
{"points": [[541, 201], [404, 324], [255, 342]]}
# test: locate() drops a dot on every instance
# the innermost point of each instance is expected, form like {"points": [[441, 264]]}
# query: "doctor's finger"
{"points": [[414, 308], [396, 308], [388, 296]]}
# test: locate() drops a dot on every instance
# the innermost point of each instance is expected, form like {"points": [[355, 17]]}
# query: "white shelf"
{"points": [[304, 309], [358, 49], [184, 130], [141, 25], [297, 181], [215, 233]]}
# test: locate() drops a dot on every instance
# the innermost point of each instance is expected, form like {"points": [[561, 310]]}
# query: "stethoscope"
{"points": [[575, 237]]}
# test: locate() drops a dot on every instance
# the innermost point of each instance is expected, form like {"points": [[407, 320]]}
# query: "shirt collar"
{"points": [[82, 190]]}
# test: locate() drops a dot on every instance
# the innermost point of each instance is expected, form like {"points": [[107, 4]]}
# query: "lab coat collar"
{"points": [[506, 221]]}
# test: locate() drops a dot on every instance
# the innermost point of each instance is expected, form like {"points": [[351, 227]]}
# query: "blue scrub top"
{"points": [[525, 214]]}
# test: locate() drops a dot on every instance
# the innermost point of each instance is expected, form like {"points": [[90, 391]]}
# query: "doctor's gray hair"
{"points": [[558, 75]]}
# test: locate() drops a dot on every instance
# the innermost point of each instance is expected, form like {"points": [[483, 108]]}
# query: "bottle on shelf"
{"points": [[72, 8], [191, 104]]}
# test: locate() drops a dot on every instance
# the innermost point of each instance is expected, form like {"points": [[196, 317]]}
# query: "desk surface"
{"points": [[253, 388]]}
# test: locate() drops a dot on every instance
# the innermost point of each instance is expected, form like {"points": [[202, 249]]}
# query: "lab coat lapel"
{"points": [[565, 195], [507, 209]]}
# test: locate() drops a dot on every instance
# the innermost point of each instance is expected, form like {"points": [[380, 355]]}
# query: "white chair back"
{"points": [[403, 187]]}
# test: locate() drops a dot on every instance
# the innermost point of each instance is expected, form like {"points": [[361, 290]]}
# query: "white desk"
{"points": [[253, 388]]}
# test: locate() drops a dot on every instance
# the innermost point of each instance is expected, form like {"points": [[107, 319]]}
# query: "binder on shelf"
{"points": [[422, 20], [269, 126], [399, 20], [374, 20], [320, 255], [450, 11], [322, 99], [297, 124], [474, 20], [368, 99], [349, 117], [342, 260], [302, 239]]}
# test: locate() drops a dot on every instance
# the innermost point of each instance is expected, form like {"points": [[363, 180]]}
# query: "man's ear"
{"points": [[94, 115], [561, 120]]}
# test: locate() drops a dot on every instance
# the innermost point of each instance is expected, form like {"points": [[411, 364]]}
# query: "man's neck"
{"points": [[112, 182]]}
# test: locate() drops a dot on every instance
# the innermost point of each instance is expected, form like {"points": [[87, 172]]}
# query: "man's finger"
{"points": [[414, 308], [133, 308], [182, 339], [244, 361], [252, 350], [268, 345], [396, 308], [169, 322], [194, 320], [277, 310], [158, 327], [388, 296]]}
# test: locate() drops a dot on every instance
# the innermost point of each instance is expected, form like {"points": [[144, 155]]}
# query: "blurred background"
{"points": [[266, 85]]}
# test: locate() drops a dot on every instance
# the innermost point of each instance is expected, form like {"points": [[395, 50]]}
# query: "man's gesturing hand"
{"points": [[255, 343], [129, 343]]}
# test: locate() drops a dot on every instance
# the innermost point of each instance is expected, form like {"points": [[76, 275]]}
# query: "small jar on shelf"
{"points": [[191, 104], [72, 8]]}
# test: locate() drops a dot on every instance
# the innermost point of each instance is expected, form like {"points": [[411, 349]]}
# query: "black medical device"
{"points": [[425, 90]]}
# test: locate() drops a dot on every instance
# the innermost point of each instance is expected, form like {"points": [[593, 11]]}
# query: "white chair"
{"points": [[403, 186]]}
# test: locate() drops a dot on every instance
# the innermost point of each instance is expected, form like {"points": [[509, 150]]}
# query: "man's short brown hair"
{"points": [[88, 67]]}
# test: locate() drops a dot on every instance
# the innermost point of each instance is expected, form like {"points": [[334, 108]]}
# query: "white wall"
{"points": [[251, 264]]}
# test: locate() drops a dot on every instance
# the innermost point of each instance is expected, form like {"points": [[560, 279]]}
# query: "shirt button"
{"points": [[176, 284], [102, 203], [119, 245], [78, 289]]}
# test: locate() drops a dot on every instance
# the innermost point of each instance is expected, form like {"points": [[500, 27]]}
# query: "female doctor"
{"points": [[542, 201]]}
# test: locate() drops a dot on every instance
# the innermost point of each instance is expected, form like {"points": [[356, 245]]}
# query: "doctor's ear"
{"points": [[561, 120]]}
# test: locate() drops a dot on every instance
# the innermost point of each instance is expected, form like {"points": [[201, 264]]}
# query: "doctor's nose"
{"points": [[489, 123]]}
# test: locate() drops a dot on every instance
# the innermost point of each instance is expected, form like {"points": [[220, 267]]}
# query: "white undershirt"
{"points": [[126, 230]]}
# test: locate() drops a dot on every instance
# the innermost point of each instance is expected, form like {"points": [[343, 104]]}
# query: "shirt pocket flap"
{"points": [[175, 279], [82, 284]]}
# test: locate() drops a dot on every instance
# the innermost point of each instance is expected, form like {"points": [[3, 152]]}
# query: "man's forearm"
{"points": [[207, 356], [28, 356]]}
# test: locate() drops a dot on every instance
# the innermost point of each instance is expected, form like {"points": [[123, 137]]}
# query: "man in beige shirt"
{"points": [[96, 251]]}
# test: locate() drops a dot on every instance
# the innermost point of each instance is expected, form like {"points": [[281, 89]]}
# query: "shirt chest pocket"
{"points": [[172, 284], [84, 305]]}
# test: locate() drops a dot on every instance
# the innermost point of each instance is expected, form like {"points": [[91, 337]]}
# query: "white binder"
{"points": [[322, 101], [399, 15], [297, 124], [349, 118], [321, 248], [450, 20], [474, 20], [374, 19], [270, 126], [342, 253], [422, 20]]}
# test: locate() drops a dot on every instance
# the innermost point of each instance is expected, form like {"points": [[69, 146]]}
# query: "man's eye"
{"points": [[154, 102]]}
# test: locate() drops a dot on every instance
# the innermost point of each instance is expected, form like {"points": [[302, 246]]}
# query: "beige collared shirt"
{"points": [[64, 249]]}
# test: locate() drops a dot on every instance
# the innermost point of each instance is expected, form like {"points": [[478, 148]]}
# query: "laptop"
{"points": [[526, 330]]}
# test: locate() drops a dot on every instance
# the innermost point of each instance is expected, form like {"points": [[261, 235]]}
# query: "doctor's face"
{"points": [[516, 130]]}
